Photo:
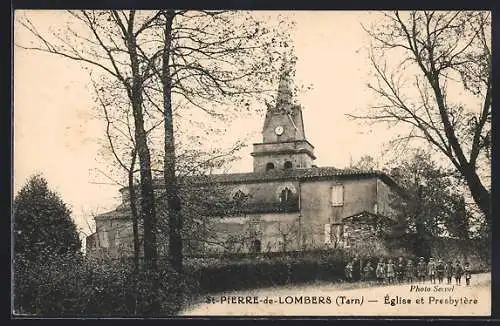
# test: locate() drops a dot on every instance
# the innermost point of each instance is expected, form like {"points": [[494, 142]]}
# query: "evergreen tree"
{"points": [[42, 223]]}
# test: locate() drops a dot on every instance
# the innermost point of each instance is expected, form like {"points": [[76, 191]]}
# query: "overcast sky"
{"points": [[54, 132]]}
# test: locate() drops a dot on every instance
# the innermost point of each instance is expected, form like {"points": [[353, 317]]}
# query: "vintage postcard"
{"points": [[251, 163]]}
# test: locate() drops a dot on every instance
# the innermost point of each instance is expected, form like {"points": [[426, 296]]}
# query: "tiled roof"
{"points": [[122, 211], [290, 174], [368, 217]]}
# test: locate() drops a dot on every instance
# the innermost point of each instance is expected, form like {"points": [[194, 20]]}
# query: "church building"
{"points": [[286, 203]]}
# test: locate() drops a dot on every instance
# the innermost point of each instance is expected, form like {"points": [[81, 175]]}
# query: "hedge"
{"points": [[246, 273]]}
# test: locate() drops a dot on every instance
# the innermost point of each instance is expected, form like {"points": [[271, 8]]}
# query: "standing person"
{"points": [[440, 270], [380, 271], [421, 269], [467, 273], [395, 268], [356, 269], [431, 270], [448, 270], [410, 271], [396, 271], [458, 270], [367, 271], [348, 271], [400, 270], [390, 271]]}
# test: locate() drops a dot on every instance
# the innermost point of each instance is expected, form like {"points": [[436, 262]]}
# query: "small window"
{"points": [[269, 166], [286, 195], [288, 165], [328, 234], [337, 195]]}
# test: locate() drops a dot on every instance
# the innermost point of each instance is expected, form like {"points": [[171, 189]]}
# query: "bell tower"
{"points": [[284, 144]]}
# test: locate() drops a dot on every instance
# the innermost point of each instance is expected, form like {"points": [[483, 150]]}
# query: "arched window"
{"points": [[269, 166], [256, 246], [240, 197], [286, 195], [288, 165]]}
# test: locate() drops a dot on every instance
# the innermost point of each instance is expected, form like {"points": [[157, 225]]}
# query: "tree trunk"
{"points": [[172, 191], [147, 213], [481, 195], [133, 209], [146, 184], [135, 228]]}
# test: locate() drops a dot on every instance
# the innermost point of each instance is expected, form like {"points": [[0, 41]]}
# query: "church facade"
{"points": [[286, 203]]}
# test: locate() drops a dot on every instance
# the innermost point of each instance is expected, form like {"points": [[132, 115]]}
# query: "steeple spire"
{"points": [[285, 93]]}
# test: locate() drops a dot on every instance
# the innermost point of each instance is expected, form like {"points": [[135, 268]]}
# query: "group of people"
{"points": [[398, 271]]}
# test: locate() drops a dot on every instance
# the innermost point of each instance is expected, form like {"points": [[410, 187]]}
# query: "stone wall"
{"points": [[275, 231], [113, 235], [384, 199], [265, 192], [366, 239], [317, 209], [299, 160]]}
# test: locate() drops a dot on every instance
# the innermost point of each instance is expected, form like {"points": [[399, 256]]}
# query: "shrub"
{"points": [[69, 286], [47, 287]]}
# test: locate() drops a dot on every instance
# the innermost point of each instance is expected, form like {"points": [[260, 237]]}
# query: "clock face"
{"points": [[278, 130]]}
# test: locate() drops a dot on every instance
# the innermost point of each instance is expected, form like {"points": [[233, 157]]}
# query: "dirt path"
{"points": [[344, 300]]}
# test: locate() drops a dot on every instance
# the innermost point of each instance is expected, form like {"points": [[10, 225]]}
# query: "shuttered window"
{"points": [[337, 195]]}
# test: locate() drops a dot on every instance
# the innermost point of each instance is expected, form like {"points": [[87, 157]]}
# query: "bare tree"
{"points": [[439, 56], [208, 57], [109, 41], [121, 144], [288, 234], [366, 162]]}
